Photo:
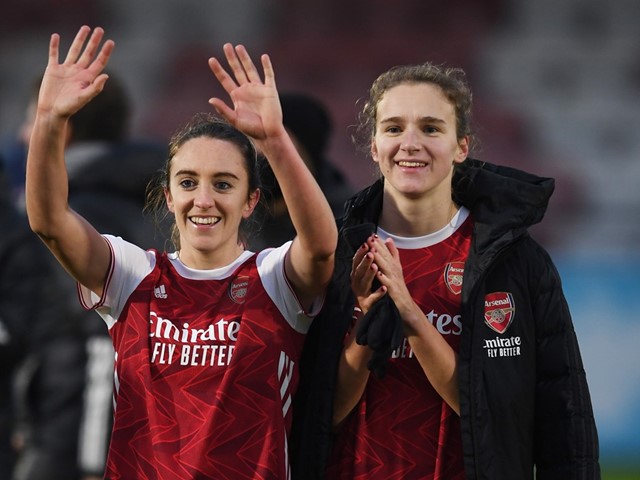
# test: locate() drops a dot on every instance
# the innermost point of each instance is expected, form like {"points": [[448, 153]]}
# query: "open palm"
{"points": [[68, 86], [256, 107]]}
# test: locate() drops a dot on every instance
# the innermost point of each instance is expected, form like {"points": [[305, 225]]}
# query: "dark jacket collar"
{"points": [[501, 199]]}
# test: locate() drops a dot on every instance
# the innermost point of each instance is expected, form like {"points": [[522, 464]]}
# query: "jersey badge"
{"points": [[499, 311], [453, 272], [238, 289]]}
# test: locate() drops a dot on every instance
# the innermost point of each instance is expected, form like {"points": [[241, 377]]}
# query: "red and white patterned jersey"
{"points": [[401, 428], [205, 365]]}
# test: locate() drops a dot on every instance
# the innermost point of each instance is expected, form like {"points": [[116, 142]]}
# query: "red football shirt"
{"points": [[205, 366], [401, 428]]}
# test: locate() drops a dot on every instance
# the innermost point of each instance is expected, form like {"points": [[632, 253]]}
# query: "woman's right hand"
{"points": [[68, 86], [363, 272]]}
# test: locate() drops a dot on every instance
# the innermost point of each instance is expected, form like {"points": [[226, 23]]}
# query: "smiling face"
{"points": [[209, 195], [415, 142]]}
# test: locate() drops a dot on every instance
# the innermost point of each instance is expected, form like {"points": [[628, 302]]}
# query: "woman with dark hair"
{"points": [[207, 338]]}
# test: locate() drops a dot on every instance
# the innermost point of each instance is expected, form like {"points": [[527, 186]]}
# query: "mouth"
{"points": [[204, 221], [411, 164]]}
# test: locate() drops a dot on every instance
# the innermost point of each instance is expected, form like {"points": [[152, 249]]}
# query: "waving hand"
{"points": [[70, 85], [256, 107]]}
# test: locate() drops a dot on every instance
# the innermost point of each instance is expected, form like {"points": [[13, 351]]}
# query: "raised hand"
{"points": [[256, 107], [68, 86]]}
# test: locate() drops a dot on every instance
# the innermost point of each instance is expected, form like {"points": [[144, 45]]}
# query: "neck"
{"points": [[203, 260], [411, 218]]}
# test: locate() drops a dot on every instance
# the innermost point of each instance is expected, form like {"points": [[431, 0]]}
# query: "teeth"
{"points": [[204, 220], [411, 164]]}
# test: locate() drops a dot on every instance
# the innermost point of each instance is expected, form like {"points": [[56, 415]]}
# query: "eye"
{"points": [[429, 129], [187, 183], [393, 129], [221, 185]]}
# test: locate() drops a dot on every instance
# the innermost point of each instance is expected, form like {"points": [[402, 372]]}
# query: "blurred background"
{"points": [[556, 89]]}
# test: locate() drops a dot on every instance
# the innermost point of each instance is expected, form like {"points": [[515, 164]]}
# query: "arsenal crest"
{"points": [[238, 289], [499, 310], [453, 277]]}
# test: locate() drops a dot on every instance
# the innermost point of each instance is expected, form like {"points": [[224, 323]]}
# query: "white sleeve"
{"points": [[129, 265], [270, 264]]}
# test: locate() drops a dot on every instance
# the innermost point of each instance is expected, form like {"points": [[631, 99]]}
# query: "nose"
{"points": [[410, 143], [203, 198]]}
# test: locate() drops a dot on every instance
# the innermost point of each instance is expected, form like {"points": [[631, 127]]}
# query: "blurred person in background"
{"points": [[108, 172], [309, 124], [446, 349], [41, 357]]}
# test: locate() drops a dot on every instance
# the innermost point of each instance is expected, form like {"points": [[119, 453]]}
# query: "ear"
{"points": [[169, 199], [374, 150], [252, 201], [462, 151]]}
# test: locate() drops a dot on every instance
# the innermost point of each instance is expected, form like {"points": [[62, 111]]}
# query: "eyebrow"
{"points": [[193, 173], [426, 119]]}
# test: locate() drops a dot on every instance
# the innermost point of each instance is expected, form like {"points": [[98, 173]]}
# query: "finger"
{"points": [[234, 64], [247, 64], [374, 242], [100, 82], [91, 48], [358, 272], [221, 74], [223, 109], [382, 278], [76, 45], [95, 87], [100, 62], [54, 49], [391, 246], [359, 255], [362, 260], [380, 250], [370, 269], [378, 294], [267, 68], [379, 243]]}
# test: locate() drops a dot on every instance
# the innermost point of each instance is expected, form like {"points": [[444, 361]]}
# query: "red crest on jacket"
{"points": [[499, 310]]}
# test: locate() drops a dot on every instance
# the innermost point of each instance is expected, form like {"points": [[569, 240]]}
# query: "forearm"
{"points": [[436, 357], [353, 375], [46, 186], [308, 208], [75, 243]]}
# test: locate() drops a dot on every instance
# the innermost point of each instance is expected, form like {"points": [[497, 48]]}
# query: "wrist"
{"points": [[47, 119], [274, 143]]}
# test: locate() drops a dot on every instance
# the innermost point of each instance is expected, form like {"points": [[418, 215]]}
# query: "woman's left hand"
{"points": [[256, 106]]}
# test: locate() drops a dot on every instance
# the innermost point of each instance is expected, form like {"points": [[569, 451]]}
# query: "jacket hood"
{"points": [[506, 196], [504, 201], [501, 199]]}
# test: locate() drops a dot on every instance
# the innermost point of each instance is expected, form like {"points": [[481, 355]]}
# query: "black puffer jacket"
{"points": [[523, 391]]}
